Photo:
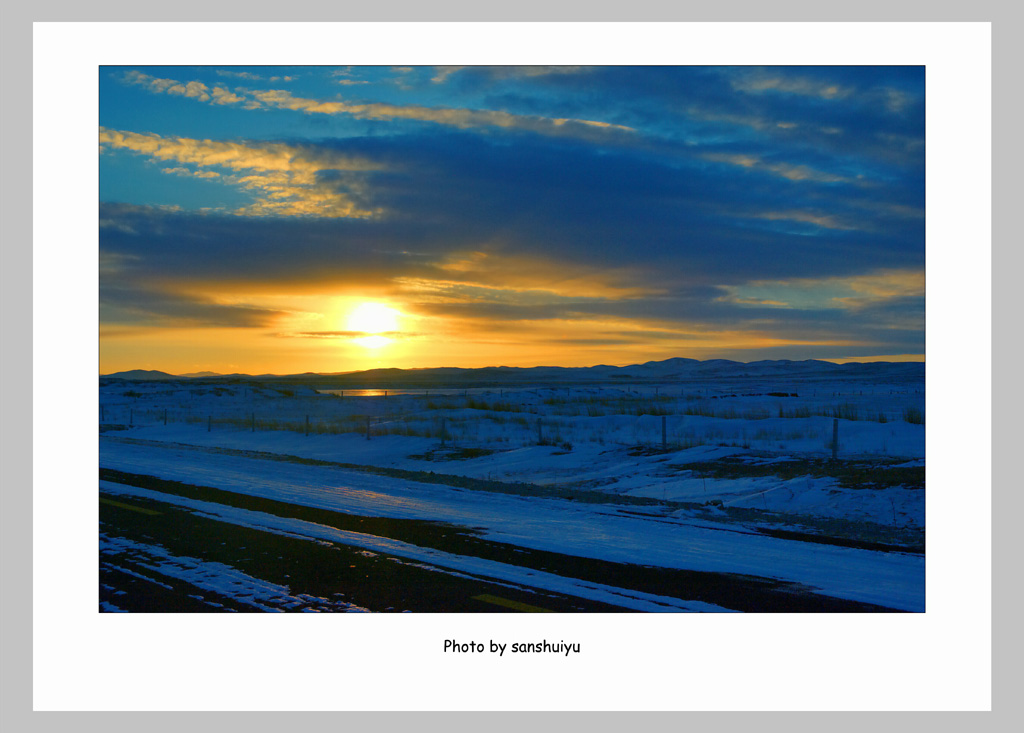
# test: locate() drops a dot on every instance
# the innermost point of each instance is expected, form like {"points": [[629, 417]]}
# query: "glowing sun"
{"points": [[373, 319]]}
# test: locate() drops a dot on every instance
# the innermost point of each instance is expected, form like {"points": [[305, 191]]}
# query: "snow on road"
{"points": [[210, 576], [612, 469], [894, 580], [200, 573]]}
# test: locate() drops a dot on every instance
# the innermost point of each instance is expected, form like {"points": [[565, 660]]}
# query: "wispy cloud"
{"points": [[455, 117], [789, 171], [759, 82], [239, 74], [346, 334], [852, 293], [506, 72], [501, 277], [824, 221], [287, 180], [180, 171]]}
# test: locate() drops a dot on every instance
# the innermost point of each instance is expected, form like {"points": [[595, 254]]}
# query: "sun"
{"points": [[374, 320]]}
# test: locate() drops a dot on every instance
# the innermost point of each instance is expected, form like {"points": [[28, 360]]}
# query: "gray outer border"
{"points": [[16, 373]]}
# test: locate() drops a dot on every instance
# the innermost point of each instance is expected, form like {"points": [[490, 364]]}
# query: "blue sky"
{"points": [[508, 215]]}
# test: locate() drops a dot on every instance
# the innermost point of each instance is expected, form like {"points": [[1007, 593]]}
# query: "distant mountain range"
{"points": [[677, 369]]}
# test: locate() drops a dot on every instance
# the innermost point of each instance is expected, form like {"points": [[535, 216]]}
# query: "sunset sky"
{"points": [[329, 219]]}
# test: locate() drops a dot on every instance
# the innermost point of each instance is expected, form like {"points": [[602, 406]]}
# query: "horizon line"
{"points": [[880, 359]]}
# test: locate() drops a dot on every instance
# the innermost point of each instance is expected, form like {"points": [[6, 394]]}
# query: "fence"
{"points": [[662, 418]]}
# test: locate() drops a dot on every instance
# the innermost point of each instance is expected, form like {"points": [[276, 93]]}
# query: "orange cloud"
{"points": [[496, 277], [883, 285]]}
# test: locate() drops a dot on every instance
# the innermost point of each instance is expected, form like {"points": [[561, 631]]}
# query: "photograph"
{"points": [[511, 339]]}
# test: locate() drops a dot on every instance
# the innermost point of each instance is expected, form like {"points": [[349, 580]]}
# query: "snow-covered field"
{"points": [[585, 437], [715, 465]]}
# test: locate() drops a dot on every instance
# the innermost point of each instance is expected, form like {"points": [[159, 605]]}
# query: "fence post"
{"points": [[664, 434], [835, 437]]}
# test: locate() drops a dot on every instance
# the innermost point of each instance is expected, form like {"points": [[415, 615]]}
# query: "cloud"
{"points": [[193, 89], [287, 179], [239, 74], [179, 171], [454, 117], [221, 95], [443, 72], [503, 276], [838, 118], [871, 289], [461, 118], [347, 334], [470, 210], [756, 122], [788, 171], [880, 88], [680, 231], [506, 72], [824, 221], [759, 82], [190, 254], [124, 303], [880, 289]]}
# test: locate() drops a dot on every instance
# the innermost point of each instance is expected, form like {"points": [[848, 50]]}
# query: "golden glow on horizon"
{"points": [[256, 351], [377, 330], [373, 342]]}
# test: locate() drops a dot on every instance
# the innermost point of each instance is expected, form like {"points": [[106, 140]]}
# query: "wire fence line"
{"points": [[661, 417]]}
